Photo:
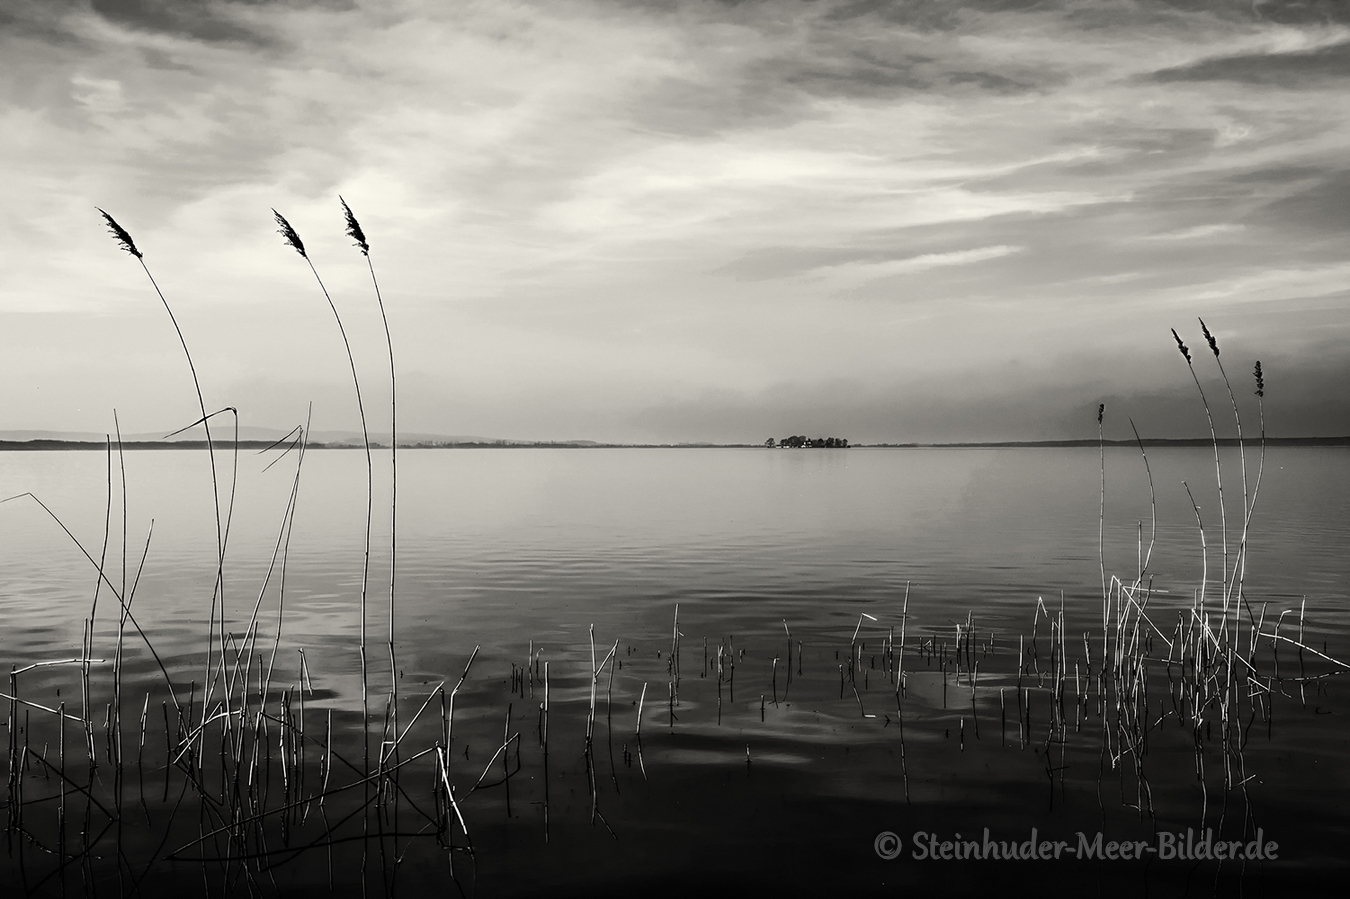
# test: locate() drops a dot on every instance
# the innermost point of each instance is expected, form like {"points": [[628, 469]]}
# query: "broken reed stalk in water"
{"points": [[288, 525], [595, 682], [1143, 565]]}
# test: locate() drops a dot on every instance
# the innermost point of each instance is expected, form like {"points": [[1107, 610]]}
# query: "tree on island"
{"points": [[798, 441]]}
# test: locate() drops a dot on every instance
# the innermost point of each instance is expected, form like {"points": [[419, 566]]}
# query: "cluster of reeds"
{"points": [[1210, 667], [1215, 673], [258, 759], [245, 745]]}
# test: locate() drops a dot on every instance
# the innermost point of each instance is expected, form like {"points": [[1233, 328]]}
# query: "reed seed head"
{"points": [[354, 228], [289, 234], [1181, 346], [1260, 379], [1213, 344], [120, 234], [1101, 410]]}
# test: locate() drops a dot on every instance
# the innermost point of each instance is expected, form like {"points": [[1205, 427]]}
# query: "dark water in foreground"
{"points": [[784, 782]]}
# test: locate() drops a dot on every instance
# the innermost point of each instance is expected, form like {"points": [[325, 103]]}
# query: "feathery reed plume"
{"points": [[1260, 380], [120, 234], [288, 233], [1185, 352], [293, 239], [1213, 344], [354, 228]]}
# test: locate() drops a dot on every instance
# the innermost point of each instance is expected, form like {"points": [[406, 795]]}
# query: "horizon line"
{"points": [[54, 444]]}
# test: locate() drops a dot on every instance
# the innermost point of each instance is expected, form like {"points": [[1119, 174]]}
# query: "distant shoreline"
{"points": [[76, 445]]}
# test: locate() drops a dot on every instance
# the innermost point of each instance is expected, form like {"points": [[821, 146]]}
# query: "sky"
{"points": [[680, 220]]}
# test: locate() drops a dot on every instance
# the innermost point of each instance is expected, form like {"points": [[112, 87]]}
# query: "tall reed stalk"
{"points": [[1218, 466], [1260, 377], [125, 241], [292, 239], [1101, 514], [355, 232], [1246, 498]]}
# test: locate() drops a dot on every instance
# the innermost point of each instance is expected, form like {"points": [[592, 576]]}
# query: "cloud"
{"points": [[1275, 284], [1198, 232], [853, 273], [208, 21], [100, 96], [1277, 69], [1323, 209]]}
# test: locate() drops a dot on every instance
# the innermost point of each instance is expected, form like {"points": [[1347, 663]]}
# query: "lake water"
{"points": [[789, 777]]}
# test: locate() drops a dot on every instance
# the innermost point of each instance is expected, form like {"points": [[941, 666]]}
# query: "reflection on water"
{"points": [[779, 770]]}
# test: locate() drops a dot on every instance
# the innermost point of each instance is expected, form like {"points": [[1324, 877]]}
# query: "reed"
{"points": [[355, 232], [125, 241], [1233, 595], [292, 239], [1214, 439], [1101, 514], [255, 744]]}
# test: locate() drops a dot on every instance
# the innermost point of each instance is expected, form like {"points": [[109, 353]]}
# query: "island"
{"points": [[800, 442]]}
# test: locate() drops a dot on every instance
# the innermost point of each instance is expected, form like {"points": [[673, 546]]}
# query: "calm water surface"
{"points": [[513, 550]]}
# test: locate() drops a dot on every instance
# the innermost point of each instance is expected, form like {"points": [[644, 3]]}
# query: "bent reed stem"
{"points": [[293, 239], [355, 231]]}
